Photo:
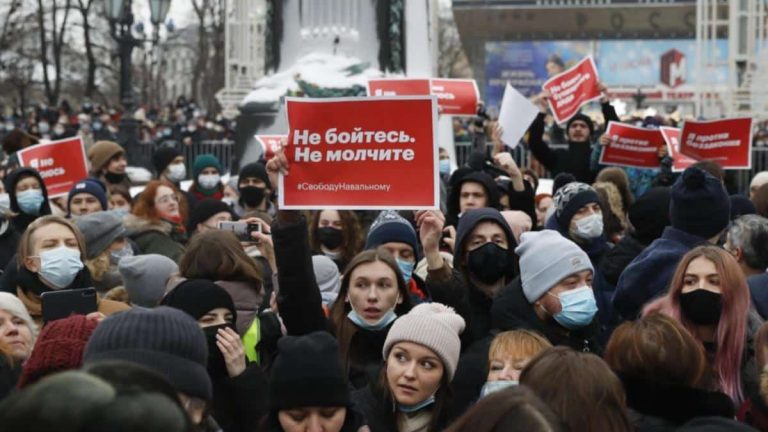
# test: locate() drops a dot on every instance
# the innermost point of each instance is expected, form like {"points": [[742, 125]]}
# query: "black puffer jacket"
{"points": [[618, 258]]}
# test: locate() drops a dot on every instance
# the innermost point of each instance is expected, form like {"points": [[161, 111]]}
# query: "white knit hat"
{"points": [[434, 326], [11, 304]]}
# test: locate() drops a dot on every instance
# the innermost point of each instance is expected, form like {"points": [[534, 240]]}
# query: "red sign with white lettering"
{"points": [[727, 142], [60, 163], [361, 153], [632, 146], [672, 137], [572, 89], [456, 97], [399, 87], [270, 144]]}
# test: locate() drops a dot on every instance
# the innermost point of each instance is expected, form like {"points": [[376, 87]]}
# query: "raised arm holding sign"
{"points": [[355, 153]]}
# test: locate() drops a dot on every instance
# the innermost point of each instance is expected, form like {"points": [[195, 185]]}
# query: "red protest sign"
{"points": [[270, 144], [398, 87], [572, 89], [727, 142], [456, 97], [632, 146], [672, 137], [61, 163], [354, 153]]}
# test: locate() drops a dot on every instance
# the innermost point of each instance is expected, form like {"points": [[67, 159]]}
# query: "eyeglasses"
{"points": [[166, 199]]}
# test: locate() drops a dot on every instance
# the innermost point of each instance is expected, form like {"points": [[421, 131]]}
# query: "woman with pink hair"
{"points": [[709, 296]]}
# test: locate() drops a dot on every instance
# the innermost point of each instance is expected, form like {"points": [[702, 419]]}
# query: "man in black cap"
{"points": [[255, 190], [580, 130]]}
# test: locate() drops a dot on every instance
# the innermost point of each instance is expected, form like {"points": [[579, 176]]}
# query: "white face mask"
{"points": [[5, 203], [209, 181], [590, 227], [177, 172]]}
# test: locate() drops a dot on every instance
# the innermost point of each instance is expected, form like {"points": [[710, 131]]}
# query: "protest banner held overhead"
{"points": [[631, 146], [60, 163], [672, 138], [457, 97], [572, 89], [727, 142], [270, 144], [399, 87], [353, 153]]}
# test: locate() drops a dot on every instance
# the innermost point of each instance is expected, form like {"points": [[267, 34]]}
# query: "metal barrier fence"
{"points": [[740, 179], [224, 150]]}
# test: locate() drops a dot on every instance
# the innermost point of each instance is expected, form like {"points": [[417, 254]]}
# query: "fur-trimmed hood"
{"points": [[136, 225]]}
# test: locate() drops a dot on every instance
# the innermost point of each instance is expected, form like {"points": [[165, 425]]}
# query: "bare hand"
{"points": [[278, 164], [603, 91], [96, 316], [430, 224], [508, 164], [605, 140], [263, 241], [231, 346], [663, 151]]}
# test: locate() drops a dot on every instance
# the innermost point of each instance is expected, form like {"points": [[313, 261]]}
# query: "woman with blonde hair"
{"points": [[509, 353]]}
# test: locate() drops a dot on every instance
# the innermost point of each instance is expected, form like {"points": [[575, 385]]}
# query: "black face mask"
{"points": [[114, 178], [330, 237], [488, 263], [701, 307], [217, 367], [252, 196]]}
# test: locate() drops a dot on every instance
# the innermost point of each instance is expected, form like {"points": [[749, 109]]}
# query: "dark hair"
{"points": [[531, 173], [580, 388], [657, 348], [760, 200], [216, 255], [118, 189], [517, 408], [351, 232], [345, 329]]}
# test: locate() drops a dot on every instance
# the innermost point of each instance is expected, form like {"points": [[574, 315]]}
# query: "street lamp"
{"points": [[120, 16]]}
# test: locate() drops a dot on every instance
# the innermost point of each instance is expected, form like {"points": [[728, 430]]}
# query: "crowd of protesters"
{"points": [[625, 300]]}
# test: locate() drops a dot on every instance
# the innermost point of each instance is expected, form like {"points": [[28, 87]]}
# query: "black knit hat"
{"points": [[206, 209], [570, 198], [308, 373], [163, 157], [649, 214], [163, 339], [700, 204], [561, 180], [197, 297], [254, 169]]}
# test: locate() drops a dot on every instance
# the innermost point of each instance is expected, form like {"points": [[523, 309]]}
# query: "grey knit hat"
{"points": [[164, 339], [145, 277], [570, 198], [434, 326], [327, 277], [100, 230], [546, 258]]}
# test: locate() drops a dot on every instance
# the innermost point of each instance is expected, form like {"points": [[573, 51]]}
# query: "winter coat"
{"points": [[658, 407], [9, 376], [379, 412], [161, 237], [9, 242], [248, 301], [648, 275], [31, 288], [758, 290], [511, 311], [618, 258], [239, 403], [22, 220]]}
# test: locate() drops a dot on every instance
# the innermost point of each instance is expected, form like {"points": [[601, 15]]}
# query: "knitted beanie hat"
{"points": [[101, 153], [145, 277], [700, 204], [649, 214], [434, 326], [163, 157], [389, 226], [256, 170], [206, 209], [204, 161], [90, 187], [327, 277], [100, 230], [197, 297], [59, 347], [308, 372], [163, 339], [11, 304], [570, 198], [546, 258]]}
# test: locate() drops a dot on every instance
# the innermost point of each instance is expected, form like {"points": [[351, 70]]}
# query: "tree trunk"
{"points": [[44, 49], [90, 81]]}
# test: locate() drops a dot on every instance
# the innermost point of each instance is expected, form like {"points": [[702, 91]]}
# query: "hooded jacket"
{"points": [[465, 176], [162, 238], [22, 220]]}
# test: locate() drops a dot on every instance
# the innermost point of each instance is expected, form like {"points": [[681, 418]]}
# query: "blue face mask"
{"points": [[408, 409], [60, 266], [494, 386], [30, 201], [121, 212], [578, 308], [116, 256], [445, 166], [382, 323], [406, 268]]}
